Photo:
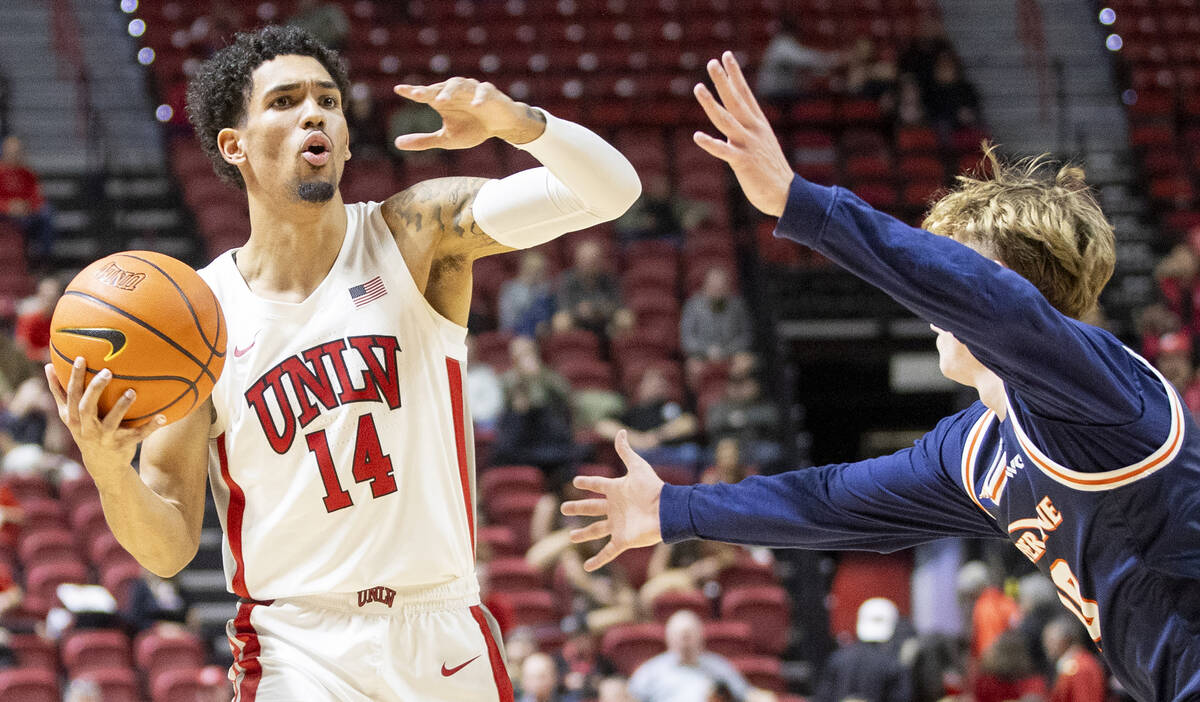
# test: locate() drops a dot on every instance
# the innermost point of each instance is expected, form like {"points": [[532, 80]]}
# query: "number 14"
{"points": [[370, 465]]}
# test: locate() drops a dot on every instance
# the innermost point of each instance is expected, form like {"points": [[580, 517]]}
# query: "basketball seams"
{"points": [[187, 301], [154, 330], [191, 385]]}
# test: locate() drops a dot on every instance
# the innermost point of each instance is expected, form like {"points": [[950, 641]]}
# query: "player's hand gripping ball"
{"points": [[153, 322]]}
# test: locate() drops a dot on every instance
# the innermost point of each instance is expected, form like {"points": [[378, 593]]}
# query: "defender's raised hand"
{"points": [[751, 148], [628, 508], [471, 112]]}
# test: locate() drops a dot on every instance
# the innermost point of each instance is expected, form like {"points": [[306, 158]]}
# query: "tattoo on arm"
{"points": [[443, 206]]}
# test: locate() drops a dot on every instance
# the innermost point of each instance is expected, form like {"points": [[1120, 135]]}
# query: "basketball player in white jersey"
{"points": [[337, 441]]}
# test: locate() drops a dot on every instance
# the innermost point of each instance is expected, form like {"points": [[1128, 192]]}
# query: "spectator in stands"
{"points": [[910, 106], [535, 427], [324, 20], [728, 466], [414, 118], [868, 669], [153, 600], [539, 681], [604, 597], [485, 392], [1079, 677], [685, 672], [32, 330], [21, 201], [526, 301], [588, 296], [789, 69], [582, 664], [992, 611], [951, 101], [83, 690], [11, 517], [1153, 323], [658, 425], [10, 591], [368, 135], [519, 644], [1175, 362], [214, 685], [920, 57], [1179, 285], [660, 214], [870, 72], [715, 323], [32, 438], [744, 415], [614, 689], [1006, 672], [1038, 599], [692, 566]]}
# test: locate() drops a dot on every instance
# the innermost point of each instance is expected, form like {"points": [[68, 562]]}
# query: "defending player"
{"points": [[1078, 451], [337, 440]]}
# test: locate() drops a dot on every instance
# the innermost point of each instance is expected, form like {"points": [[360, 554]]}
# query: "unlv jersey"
{"points": [[341, 455]]}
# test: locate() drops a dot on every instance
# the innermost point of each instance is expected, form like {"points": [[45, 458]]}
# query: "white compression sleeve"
{"points": [[584, 181]]}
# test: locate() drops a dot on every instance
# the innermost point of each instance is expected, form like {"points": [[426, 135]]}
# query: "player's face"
{"points": [[955, 360], [294, 137]]}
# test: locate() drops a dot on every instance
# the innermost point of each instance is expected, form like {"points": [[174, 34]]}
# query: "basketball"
{"points": [[153, 322]]}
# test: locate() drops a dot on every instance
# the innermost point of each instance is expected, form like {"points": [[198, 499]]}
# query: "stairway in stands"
{"points": [[1048, 86]]}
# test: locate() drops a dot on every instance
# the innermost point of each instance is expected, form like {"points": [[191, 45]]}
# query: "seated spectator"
{"points": [[414, 118], [715, 323], [21, 201], [582, 664], [660, 214], [992, 611], [540, 683], [869, 72], [870, 668], [910, 105], [526, 301], [34, 313], [920, 56], [32, 438], [485, 393], [153, 600], [742, 414], [728, 466], [519, 644], [1153, 323], [660, 429], [588, 296], [604, 596], [690, 566], [535, 426], [789, 69], [324, 20], [83, 690], [1174, 361], [1179, 285], [951, 101], [368, 135], [1078, 677], [10, 591], [1006, 672], [685, 672], [11, 517], [1038, 599], [614, 689]]}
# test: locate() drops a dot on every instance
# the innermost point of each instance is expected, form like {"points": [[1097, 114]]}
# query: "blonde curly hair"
{"points": [[1050, 230]]}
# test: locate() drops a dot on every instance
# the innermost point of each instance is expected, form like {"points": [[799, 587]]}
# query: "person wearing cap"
{"points": [[868, 669]]}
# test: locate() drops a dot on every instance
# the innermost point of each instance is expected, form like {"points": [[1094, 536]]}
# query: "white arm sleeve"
{"points": [[584, 181]]}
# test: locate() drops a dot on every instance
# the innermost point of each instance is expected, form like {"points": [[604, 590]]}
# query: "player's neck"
{"points": [[991, 391], [291, 249]]}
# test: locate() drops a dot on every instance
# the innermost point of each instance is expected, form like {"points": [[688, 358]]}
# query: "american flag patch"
{"points": [[369, 291]]}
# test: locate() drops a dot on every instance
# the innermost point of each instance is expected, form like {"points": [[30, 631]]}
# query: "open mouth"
{"points": [[316, 149]]}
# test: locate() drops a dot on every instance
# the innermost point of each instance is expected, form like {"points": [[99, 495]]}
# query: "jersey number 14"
{"points": [[371, 465]]}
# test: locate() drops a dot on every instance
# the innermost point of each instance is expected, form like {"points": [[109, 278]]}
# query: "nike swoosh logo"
{"points": [[447, 672], [114, 337], [238, 353]]}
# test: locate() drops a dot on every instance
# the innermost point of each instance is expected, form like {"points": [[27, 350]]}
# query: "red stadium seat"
{"points": [[34, 651], [573, 343], [117, 684], [105, 551], [175, 685], [765, 609], [47, 545], [533, 607], [156, 652], [746, 572], [630, 645], [761, 671], [514, 511], [492, 348], [41, 513], [512, 575], [75, 491], [920, 139], [672, 601], [499, 540], [91, 649], [586, 373], [44, 578], [729, 638], [26, 488], [29, 685], [117, 577], [510, 479]]}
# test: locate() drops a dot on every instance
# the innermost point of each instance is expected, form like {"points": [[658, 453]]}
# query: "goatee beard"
{"points": [[316, 192]]}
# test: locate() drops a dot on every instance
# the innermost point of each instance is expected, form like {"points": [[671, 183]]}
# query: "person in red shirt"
{"points": [[32, 330], [1079, 677], [21, 201]]}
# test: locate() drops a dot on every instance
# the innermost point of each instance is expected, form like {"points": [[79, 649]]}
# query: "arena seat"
{"points": [[42, 579], [746, 572], [85, 650], [512, 575], [765, 609], [586, 373], [41, 513], [117, 577], [156, 652], [29, 685], [25, 488], [533, 607], [761, 671], [34, 651], [672, 601], [117, 684], [728, 637], [571, 343], [47, 545], [499, 480], [175, 685], [630, 645], [499, 540]]}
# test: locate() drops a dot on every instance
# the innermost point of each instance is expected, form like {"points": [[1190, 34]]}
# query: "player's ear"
{"points": [[230, 146]]}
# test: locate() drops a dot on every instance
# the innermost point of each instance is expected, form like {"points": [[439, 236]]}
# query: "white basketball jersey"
{"points": [[341, 457]]}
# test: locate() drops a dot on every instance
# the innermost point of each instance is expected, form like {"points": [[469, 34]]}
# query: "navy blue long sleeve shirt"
{"points": [[1094, 472]]}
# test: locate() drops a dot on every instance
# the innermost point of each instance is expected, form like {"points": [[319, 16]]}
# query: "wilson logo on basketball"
{"points": [[114, 275]]}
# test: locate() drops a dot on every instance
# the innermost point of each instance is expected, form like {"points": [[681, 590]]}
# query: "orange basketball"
{"points": [[149, 319]]}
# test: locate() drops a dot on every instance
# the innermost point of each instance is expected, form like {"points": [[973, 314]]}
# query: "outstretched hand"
{"points": [[471, 112], [628, 507], [751, 148]]}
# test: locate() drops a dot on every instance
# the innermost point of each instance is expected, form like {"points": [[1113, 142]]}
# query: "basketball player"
{"points": [[337, 440], [1078, 451]]}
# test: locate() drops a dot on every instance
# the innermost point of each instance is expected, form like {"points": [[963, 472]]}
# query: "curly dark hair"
{"points": [[218, 94]]}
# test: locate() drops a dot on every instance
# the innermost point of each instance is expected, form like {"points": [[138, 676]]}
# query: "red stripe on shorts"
{"points": [[499, 672], [454, 371], [233, 521], [246, 657]]}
